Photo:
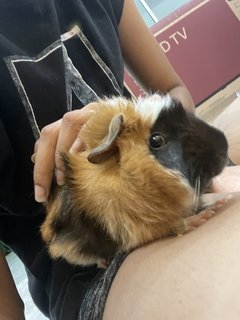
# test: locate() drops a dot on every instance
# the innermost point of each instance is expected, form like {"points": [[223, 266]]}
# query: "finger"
{"points": [[228, 180], [69, 131], [45, 160]]}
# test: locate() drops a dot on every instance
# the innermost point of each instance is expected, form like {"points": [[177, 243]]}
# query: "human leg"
{"points": [[192, 277]]}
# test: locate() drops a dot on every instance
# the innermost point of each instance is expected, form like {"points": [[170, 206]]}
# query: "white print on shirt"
{"points": [[73, 79]]}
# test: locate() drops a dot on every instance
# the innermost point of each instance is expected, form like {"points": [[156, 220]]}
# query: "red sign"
{"points": [[202, 41]]}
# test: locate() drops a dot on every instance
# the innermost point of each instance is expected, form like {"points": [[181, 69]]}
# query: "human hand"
{"points": [[228, 180], [55, 138]]}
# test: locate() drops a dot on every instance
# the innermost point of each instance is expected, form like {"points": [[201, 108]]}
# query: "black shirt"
{"points": [[55, 56]]}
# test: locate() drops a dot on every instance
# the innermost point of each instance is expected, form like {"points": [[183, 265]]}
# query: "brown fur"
{"points": [[127, 200]]}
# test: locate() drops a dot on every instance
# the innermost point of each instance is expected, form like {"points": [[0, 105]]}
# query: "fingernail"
{"points": [[60, 177], [40, 195]]}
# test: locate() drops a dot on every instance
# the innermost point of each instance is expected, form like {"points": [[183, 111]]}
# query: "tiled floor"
{"points": [[20, 278]]}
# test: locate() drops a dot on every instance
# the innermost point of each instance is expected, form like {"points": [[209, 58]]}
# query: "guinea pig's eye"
{"points": [[156, 140]]}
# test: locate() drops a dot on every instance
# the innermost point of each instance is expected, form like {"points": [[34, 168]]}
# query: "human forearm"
{"points": [[182, 94], [146, 60], [11, 305]]}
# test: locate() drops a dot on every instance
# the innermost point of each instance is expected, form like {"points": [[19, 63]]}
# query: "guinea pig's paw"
{"points": [[221, 202], [195, 221]]}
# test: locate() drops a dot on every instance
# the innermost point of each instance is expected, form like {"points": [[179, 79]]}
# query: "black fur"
{"points": [[191, 146]]}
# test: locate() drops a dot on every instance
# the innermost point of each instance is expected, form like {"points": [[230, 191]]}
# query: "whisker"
{"points": [[196, 195]]}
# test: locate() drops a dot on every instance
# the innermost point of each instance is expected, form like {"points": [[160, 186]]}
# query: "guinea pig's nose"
{"points": [[217, 162]]}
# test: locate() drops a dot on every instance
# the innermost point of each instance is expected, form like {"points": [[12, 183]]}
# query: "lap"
{"points": [[193, 277]]}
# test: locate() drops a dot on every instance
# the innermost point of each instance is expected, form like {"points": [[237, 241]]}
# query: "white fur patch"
{"points": [[151, 106], [148, 107], [116, 101]]}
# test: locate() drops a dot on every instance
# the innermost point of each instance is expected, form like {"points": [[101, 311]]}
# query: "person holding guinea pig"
{"points": [[57, 58]]}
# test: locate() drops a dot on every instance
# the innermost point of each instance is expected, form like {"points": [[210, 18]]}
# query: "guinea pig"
{"points": [[145, 165]]}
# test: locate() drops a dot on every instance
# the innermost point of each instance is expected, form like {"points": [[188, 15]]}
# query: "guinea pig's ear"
{"points": [[108, 147]]}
